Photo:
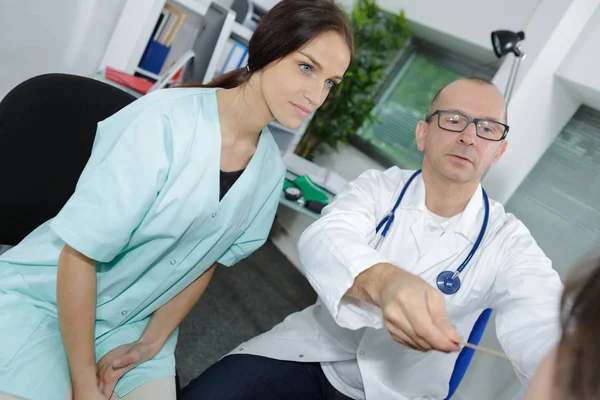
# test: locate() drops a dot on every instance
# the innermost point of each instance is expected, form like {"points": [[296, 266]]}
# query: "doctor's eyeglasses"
{"points": [[454, 121]]}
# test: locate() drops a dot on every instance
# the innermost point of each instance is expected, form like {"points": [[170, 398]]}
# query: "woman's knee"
{"points": [[157, 389]]}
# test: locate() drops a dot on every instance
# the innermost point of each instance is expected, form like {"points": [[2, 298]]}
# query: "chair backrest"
{"points": [[47, 129], [466, 354]]}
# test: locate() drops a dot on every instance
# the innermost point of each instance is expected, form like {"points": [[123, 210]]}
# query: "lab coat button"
{"points": [[241, 349], [301, 355], [214, 215], [124, 312], [362, 353], [173, 261]]}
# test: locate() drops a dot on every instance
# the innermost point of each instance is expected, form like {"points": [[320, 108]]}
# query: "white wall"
{"points": [[470, 21], [39, 37], [580, 69], [538, 29]]}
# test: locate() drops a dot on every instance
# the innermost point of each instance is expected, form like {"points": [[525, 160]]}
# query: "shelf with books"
{"points": [[158, 53], [184, 25], [143, 24], [140, 21]]}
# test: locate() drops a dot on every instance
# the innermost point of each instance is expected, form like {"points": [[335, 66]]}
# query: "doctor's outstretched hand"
{"points": [[414, 311]]}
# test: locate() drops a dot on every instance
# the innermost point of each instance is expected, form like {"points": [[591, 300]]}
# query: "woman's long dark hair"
{"points": [[285, 28], [578, 359]]}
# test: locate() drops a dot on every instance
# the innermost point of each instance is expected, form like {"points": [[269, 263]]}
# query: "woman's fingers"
{"points": [[125, 360]]}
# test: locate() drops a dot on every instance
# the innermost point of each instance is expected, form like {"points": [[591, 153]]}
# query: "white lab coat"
{"points": [[509, 273]]}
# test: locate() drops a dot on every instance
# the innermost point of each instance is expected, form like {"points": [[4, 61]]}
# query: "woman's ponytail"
{"points": [[229, 80]]}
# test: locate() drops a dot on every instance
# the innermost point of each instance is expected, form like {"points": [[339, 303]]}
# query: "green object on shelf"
{"points": [[310, 190]]}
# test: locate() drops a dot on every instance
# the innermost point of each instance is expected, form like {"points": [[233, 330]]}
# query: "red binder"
{"points": [[138, 84]]}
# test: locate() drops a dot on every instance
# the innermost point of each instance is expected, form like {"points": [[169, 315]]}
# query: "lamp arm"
{"points": [[512, 78]]}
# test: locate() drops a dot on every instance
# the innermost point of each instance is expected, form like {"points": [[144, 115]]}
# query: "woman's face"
{"points": [[297, 84]]}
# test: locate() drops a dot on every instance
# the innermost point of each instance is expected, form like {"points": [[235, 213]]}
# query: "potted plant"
{"points": [[378, 38]]}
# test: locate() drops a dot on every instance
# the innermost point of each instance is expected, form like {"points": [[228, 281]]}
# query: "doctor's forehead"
{"points": [[474, 98]]}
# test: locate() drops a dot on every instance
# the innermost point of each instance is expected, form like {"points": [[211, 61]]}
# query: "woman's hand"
{"points": [[114, 364]]}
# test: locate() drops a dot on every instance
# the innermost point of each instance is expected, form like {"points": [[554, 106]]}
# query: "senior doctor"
{"points": [[390, 292]]}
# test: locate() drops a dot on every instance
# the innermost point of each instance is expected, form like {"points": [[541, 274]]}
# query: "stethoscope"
{"points": [[447, 281]]}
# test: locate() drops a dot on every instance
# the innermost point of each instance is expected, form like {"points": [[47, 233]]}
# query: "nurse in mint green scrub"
{"points": [[178, 181]]}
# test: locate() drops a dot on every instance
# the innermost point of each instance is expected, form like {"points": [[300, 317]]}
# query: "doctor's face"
{"points": [[297, 84], [462, 156]]}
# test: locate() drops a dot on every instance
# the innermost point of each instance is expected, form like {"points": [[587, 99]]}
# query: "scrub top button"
{"points": [[173, 261], [124, 312], [214, 215]]}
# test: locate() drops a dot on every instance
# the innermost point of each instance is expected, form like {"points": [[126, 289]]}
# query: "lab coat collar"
{"points": [[469, 223], [414, 199], [446, 246]]}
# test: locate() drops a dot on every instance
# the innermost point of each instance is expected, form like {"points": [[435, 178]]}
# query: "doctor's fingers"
{"points": [[405, 336], [436, 304], [426, 330], [410, 314]]}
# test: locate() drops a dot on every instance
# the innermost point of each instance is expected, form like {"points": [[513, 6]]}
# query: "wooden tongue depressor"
{"points": [[490, 352]]}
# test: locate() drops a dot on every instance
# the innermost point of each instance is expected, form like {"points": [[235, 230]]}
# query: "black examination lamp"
{"points": [[505, 42]]}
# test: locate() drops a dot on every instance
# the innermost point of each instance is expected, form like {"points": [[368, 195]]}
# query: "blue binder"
{"points": [[154, 57]]}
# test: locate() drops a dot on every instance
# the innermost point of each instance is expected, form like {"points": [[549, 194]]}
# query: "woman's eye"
{"points": [[330, 84], [305, 68]]}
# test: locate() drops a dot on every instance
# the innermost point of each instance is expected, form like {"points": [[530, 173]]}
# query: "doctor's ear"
{"points": [[499, 152], [421, 134]]}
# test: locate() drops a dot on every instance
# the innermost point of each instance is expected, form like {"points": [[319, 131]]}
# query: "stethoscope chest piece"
{"points": [[447, 283]]}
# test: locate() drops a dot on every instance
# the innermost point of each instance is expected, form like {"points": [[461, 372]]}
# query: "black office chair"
{"points": [[47, 129]]}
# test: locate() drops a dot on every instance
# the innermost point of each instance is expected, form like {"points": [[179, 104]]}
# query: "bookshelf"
{"points": [[135, 26], [134, 30], [137, 21]]}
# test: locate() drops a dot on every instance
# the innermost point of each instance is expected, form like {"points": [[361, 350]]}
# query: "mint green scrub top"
{"points": [[147, 209]]}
